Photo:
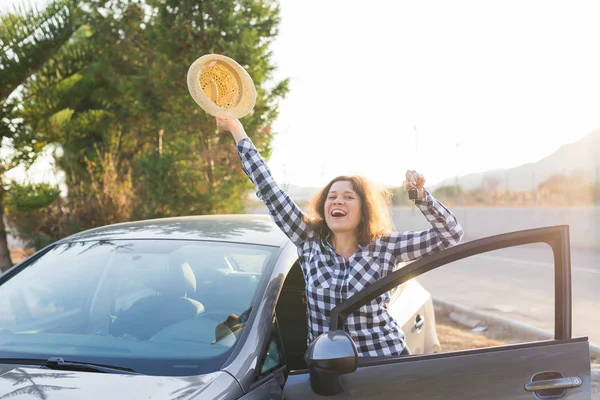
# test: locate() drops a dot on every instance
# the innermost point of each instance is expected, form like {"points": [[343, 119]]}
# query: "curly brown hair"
{"points": [[375, 203]]}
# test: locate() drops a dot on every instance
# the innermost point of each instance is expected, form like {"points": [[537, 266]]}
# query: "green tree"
{"points": [[29, 39], [133, 142], [28, 208], [199, 168]]}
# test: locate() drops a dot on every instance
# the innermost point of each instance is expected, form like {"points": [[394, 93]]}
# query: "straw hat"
{"points": [[221, 87]]}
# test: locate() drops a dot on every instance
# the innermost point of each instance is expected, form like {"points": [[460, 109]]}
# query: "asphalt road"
{"points": [[518, 283]]}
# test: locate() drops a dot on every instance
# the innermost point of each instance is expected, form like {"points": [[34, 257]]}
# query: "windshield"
{"points": [[159, 307]]}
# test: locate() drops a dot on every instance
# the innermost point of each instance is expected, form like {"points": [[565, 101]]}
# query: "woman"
{"points": [[348, 245]]}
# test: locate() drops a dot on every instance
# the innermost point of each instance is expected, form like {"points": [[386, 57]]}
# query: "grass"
{"points": [[493, 335]]}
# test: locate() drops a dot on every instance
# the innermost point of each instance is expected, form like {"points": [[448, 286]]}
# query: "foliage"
{"points": [[29, 40], [35, 211], [29, 197], [134, 144]]}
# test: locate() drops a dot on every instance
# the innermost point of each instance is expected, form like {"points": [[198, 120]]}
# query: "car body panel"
{"points": [[412, 306], [494, 374], [244, 361], [254, 229], [271, 388], [36, 382]]}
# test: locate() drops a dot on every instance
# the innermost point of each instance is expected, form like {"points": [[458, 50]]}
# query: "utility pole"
{"points": [[533, 189], [507, 197], [456, 172], [416, 140], [286, 181], [563, 181], [597, 183], [416, 146], [413, 208], [484, 191]]}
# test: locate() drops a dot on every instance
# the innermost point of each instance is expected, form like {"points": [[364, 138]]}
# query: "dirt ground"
{"points": [[453, 336]]}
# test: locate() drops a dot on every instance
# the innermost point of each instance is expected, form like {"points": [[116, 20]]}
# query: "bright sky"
{"points": [[511, 81], [442, 87]]}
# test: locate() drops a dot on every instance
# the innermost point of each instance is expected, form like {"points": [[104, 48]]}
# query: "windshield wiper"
{"points": [[59, 363]]}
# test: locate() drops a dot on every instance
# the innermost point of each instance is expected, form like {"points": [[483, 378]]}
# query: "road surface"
{"points": [[518, 283]]}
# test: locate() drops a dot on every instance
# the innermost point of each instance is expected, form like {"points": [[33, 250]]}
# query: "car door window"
{"points": [[492, 299], [270, 373], [273, 358]]}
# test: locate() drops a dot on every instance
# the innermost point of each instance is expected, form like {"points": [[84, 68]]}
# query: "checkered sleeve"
{"points": [[445, 232], [285, 213]]}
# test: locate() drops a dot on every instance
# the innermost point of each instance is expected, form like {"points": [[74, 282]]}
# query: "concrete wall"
{"points": [[584, 222], [479, 222]]}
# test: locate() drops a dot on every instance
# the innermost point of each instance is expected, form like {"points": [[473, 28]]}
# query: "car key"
{"points": [[413, 194]]}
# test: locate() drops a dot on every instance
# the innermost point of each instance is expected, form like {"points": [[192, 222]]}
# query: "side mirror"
{"points": [[330, 355]]}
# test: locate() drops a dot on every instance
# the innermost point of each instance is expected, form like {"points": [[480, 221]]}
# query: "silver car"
{"points": [[213, 308]]}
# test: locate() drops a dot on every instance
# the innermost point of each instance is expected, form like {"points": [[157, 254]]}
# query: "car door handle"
{"points": [[419, 322], [560, 383]]}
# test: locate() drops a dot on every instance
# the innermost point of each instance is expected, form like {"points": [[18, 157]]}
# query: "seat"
{"points": [[210, 268], [170, 305], [220, 287]]}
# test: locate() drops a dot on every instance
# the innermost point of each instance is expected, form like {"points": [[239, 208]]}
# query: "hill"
{"points": [[582, 156]]}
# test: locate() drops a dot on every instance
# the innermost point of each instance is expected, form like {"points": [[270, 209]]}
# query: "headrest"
{"points": [[178, 280]]}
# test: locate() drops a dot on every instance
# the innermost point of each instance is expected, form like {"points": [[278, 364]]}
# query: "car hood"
{"points": [[34, 382]]}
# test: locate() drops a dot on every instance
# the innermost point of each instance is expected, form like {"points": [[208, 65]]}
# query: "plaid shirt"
{"points": [[330, 279]]}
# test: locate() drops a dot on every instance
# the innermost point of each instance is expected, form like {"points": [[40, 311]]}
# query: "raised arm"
{"points": [[445, 230], [285, 213]]}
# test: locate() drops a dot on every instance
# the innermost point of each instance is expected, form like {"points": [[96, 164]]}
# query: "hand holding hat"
{"points": [[228, 124], [221, 87]]}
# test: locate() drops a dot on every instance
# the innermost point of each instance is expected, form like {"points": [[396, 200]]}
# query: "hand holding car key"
{"points": [[414, 184]]}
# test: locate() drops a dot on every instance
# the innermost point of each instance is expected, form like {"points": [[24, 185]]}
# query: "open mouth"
{"points": [[338, 213]]}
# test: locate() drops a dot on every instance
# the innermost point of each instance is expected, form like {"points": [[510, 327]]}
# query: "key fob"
{"points": [[413, 194]]}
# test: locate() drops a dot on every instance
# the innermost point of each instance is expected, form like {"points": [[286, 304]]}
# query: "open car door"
{"points": [[547, 369]]}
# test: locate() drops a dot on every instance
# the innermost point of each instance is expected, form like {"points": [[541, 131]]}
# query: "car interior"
{"points": [[141, 295], [215, 278], [166, 306], [179, 298], [292, 319]]}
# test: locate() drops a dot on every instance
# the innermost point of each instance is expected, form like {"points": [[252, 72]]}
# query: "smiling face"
{"points": [[342, 208]]}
